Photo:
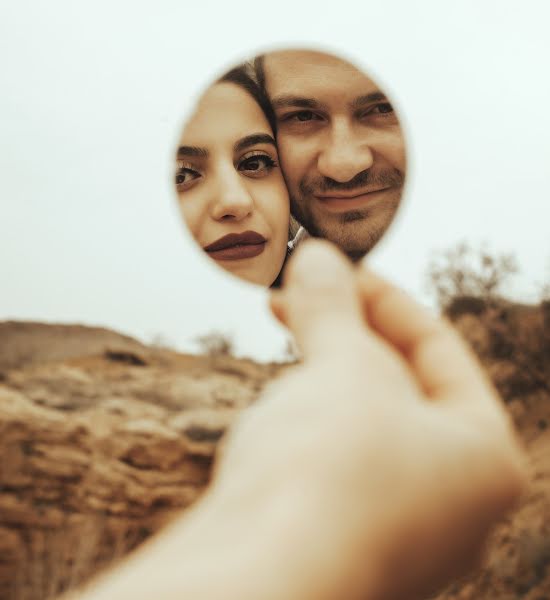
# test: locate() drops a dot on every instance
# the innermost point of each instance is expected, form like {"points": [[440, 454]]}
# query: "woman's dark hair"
{"points": [[241, 76]]}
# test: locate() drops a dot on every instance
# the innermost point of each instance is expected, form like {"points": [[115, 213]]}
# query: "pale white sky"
{"points": [[93, 96]]}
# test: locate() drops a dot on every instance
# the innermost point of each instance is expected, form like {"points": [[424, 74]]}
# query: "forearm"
{"points": [[286, 542], [217, 550], [202, 554], [277, 545]]}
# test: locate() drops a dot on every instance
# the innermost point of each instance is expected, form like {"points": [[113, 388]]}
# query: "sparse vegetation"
{"points": [[463, 271], [471, 282], [159, 341], [215, 344]]}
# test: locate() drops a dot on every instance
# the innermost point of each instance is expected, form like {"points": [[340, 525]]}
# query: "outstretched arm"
{"points": [[374, 469]]}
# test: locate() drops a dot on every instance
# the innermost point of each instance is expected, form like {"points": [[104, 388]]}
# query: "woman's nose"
{"points": [[232, 199]]}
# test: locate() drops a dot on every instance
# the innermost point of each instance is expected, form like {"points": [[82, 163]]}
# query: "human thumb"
{"points": [[319, 301]]}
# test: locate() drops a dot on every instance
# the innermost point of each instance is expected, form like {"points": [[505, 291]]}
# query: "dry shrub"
{"points": [[215, 344], [470, 282], [466, 272]]}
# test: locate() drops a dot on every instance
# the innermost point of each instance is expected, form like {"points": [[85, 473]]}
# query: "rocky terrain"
{"points": [[513, 343], [102, 439]]}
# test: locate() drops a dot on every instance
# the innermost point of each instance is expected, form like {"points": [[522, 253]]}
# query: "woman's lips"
{"points": [[236, 246]]}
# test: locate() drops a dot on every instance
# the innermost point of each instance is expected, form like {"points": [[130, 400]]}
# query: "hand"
{"points": [[374, 469], [385, 456]]}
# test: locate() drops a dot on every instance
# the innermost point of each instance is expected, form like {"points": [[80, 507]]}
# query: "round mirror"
{"points": [[291, 144]]}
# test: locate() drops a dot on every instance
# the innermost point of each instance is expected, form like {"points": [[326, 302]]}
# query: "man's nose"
{"points": [[232, 200], [346, 154]]}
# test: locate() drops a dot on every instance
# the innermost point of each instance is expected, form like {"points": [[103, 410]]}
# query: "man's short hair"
{"points": [[258, 64]]}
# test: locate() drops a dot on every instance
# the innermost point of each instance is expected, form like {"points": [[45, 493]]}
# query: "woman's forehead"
{"points": [[225, 113]]}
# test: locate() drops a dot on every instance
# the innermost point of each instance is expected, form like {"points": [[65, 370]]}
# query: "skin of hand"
{"points": [[372, 470], [398, 445]]}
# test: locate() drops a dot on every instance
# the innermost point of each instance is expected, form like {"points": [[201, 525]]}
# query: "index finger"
{"points": [[444, 365]]}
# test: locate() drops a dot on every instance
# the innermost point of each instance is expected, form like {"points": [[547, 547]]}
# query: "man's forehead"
{"points": [[309, 73]]}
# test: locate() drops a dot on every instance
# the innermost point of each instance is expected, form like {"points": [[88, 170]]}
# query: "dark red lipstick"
{"points": [[236, 246]]}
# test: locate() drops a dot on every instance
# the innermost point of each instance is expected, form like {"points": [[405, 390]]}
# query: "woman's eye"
{"points": [[185, 176], [257, 165]]}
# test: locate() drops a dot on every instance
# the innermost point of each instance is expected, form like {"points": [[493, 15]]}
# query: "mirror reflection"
{"points": [[290, 144]]}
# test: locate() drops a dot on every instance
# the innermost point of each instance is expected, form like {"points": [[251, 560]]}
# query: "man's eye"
{"points": [[185, 176], [302, 116], [384, 108], [256, 165]]}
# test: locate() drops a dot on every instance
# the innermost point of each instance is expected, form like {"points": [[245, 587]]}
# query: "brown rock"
{"points": [[99, 450]]}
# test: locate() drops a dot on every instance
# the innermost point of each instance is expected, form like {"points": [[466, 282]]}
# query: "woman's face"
{"points": [[230, 187]]}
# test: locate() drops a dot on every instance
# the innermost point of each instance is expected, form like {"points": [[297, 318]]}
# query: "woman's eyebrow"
{"points": [[195, 151], [252, 140]]}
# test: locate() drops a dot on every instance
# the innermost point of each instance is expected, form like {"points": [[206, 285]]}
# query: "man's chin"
{"points": [[356, 235], [354, 247], [356, 232], [356, 251]]}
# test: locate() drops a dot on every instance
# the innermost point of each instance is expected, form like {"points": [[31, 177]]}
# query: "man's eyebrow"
{"points": [[252, 140], [295, 101], [195, 151], [361, 101]]}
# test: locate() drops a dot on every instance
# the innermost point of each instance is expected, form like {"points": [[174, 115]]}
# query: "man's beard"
{"points": [[350, 230]]}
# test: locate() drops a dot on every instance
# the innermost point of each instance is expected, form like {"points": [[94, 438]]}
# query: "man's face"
{"points": [[340, 145]]}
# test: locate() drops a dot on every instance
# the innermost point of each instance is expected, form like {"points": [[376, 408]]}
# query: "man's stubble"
{"points": [[356, 232]]}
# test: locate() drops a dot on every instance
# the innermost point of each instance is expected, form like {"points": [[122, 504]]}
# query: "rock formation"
{"points": [[102, 439]]}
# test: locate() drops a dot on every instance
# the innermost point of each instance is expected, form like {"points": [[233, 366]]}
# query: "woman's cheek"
{"points": [[195, 215], [274, 204], [282, 205]]}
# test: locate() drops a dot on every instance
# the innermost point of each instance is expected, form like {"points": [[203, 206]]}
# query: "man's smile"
{"points": [[342, 202]]}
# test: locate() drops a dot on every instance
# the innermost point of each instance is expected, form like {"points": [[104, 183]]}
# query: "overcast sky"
{"points": [[93, 96]]}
